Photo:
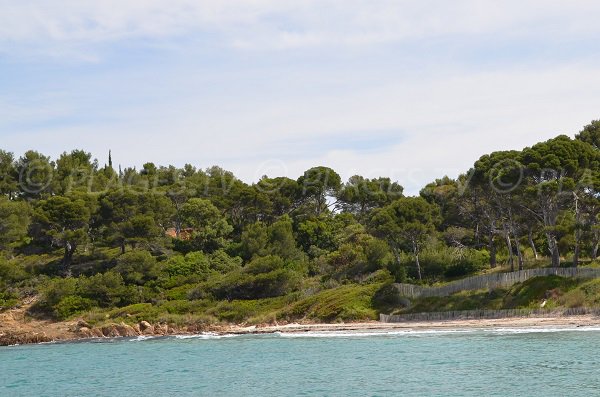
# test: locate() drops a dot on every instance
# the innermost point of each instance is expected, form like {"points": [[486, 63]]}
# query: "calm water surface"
{"points": [[420, 363]]}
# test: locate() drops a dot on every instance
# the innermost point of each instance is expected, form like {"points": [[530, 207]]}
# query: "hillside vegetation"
{"points": [[550, 292], [196, 246]]}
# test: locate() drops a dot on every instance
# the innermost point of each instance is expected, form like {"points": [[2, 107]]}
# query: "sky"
{"points": [[412, 90]]}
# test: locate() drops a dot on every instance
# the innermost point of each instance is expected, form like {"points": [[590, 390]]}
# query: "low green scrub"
{"points": [[71, 305], [460, 301], [251, 311], [8, 300], [352, 302], [556, 291], [180, 313], [585, 294], [439, 262], [534, 291]]}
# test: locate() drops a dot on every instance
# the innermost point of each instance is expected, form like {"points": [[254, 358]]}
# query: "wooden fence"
{"points": [[490, 281], [486, 314]]}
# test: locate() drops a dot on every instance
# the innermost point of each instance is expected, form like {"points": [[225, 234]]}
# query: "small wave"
{"points": [[206, 335], [360, 334], [432, 332], [541, 329], [142, 338]]}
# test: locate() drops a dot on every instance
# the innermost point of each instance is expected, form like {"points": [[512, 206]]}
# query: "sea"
{"points": [[472, 362]]}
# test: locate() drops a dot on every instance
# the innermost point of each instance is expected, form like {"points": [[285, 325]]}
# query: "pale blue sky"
{"points": [[407, 89]]}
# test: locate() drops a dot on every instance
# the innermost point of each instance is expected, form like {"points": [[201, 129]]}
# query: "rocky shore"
{"points": [[81, 330], [55, 332], [17, 328]]}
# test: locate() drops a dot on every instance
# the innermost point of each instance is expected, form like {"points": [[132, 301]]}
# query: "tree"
{"points": [[281, 240], [361, 195], [254, 240], [445, 193], [36, 173], [8, 174], [74, 170], [283, 193], [497, 179], [14, 222], [125, 217], [318, 184], [66, 221], [553, 170], [137, 267], [590, 134], [406, 221], [141, 228], [210, 227]]}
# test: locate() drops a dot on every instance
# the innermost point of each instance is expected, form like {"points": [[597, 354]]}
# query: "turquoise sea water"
{"points": [[421, 363]]}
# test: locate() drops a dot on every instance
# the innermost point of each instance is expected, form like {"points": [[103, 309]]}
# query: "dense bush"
{"points": [[471, 262], [137, 267], [11, 272], [8, 300], [71, 305], [64, 296]]}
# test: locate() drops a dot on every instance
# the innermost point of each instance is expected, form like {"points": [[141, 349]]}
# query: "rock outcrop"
{"points": [[21, 338], [143, 328]]}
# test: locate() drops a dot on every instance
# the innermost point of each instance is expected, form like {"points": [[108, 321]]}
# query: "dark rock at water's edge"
{"points": [[83, 330], [22, 338]]}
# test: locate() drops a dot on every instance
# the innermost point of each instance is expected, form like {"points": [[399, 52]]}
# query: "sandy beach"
{"points": [[530, 322]]}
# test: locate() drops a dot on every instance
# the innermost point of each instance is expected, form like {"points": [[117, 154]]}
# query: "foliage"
{"points": [[71, 305], [137, 267], [168, 242], [14, 222]]}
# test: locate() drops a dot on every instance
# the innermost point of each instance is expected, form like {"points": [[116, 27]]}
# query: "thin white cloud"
{"points": [[281, 24], [279, 119]]}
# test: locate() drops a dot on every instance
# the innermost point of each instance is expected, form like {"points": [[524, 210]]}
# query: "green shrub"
{"points": [[575, 298], [137, 267], [460, 268], [388, 296], [108, 290], [57, 289], [241, 285], [221, 262], [192, 263], [11, 272], [8, 300], [179, 293], [71, 305], [533, 291], [346, 303], [264, 264]]}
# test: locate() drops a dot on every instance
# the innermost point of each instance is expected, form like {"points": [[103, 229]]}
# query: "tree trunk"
{"points": [[396, 255], [510, 252], [519, 253], [532, 244], [68, 258], [416, 252], [595, 249], [555, 257], [492, 249], [577, 231], [553, 247], [122, 247]]}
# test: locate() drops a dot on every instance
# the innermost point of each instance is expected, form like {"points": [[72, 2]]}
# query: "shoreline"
{"points": [[77, 331], [513, 322]]}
